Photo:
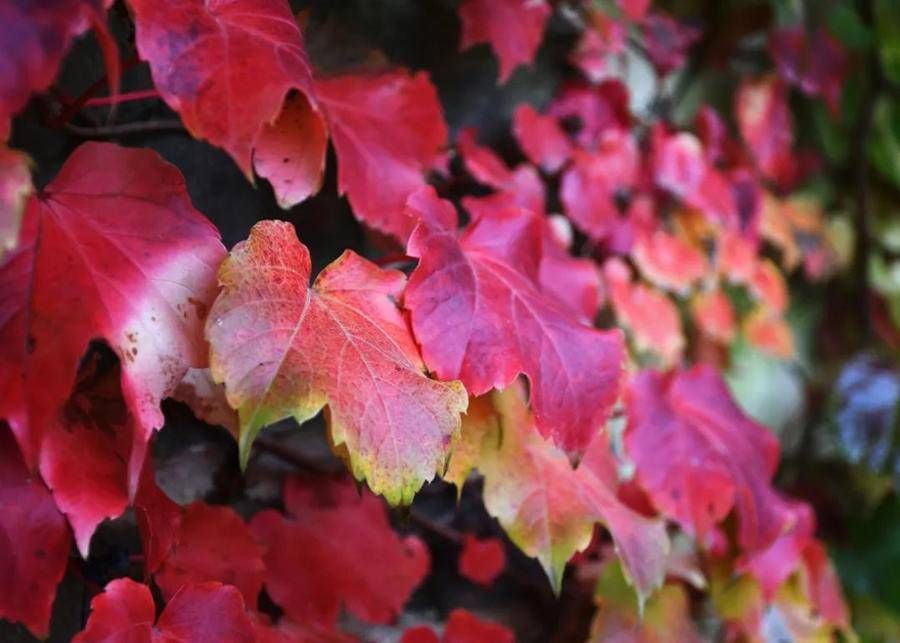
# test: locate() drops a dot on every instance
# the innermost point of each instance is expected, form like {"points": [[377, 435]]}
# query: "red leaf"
{"points": [[669, 261], [513, 28], [714, 315], [594, 109], [816, 63], [337, 548], [573, 281], [667, 42], [590, 185], [651, 317], [34, 37], [541, 138], [213, 544], [158, 519], [226, 68], [388, 131], [461, 627], [698, 455], [634, 9], [124, 613], [284, 349], [288, 631], [480, 316], [34, 543], [85, 452], [764, 120], [15, 187], [465, 627], [482, 560], [122, 255]]}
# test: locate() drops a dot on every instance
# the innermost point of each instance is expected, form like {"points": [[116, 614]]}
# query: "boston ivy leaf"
{"points": [[764, 120], [480, 316], [714, 315], [198, 612], [388, 131], [816, 63], [335, 547], [698, 456], [284, 349], [481, 560], [158, 519], [541, 138], [15, 186], [513, 28], [668, 260], [549, 509], [213, 544], [111, 249], [35, 539], [462, 627], [226, 68], [667, 41]]}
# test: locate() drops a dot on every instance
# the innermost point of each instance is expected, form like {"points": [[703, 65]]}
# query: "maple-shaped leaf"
{"points": [[388, 131], [480, 316], [541, 138], [513, 28], [590, 185], [548, 509], [669, 261], [198, 612], [111, 249], [34, 37], [816, 63], [335, 547], [462, 627], [213, 544], [698, 456], [35, 543], [227, 68], [764, 120], [481, 559], [15, 186], [651, 318], [285, 349]]}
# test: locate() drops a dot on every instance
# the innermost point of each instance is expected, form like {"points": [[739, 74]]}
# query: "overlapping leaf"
{"points": [[284, 349], [480, 316], [336, 548], [698, 456], [88, 266]]}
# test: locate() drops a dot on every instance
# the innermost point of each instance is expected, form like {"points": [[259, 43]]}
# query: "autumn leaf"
{"points": [[462, 627], [480, 316], [213, 544], [669, 261], [698, 456], [513, 28], [199, 611], [158, 519], [227, 68], [481, 559], [333, 548], [89, 267], [388, 131], [284, 349], [548, 509], [764, 120], [541, 138], [36, 543]]}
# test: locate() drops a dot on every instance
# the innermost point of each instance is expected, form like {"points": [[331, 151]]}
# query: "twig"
{"points": [[444, 531], [123, 129]]}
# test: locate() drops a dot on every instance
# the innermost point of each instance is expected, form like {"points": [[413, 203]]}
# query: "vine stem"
{"points": [[122, 129], [118, 99]]}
